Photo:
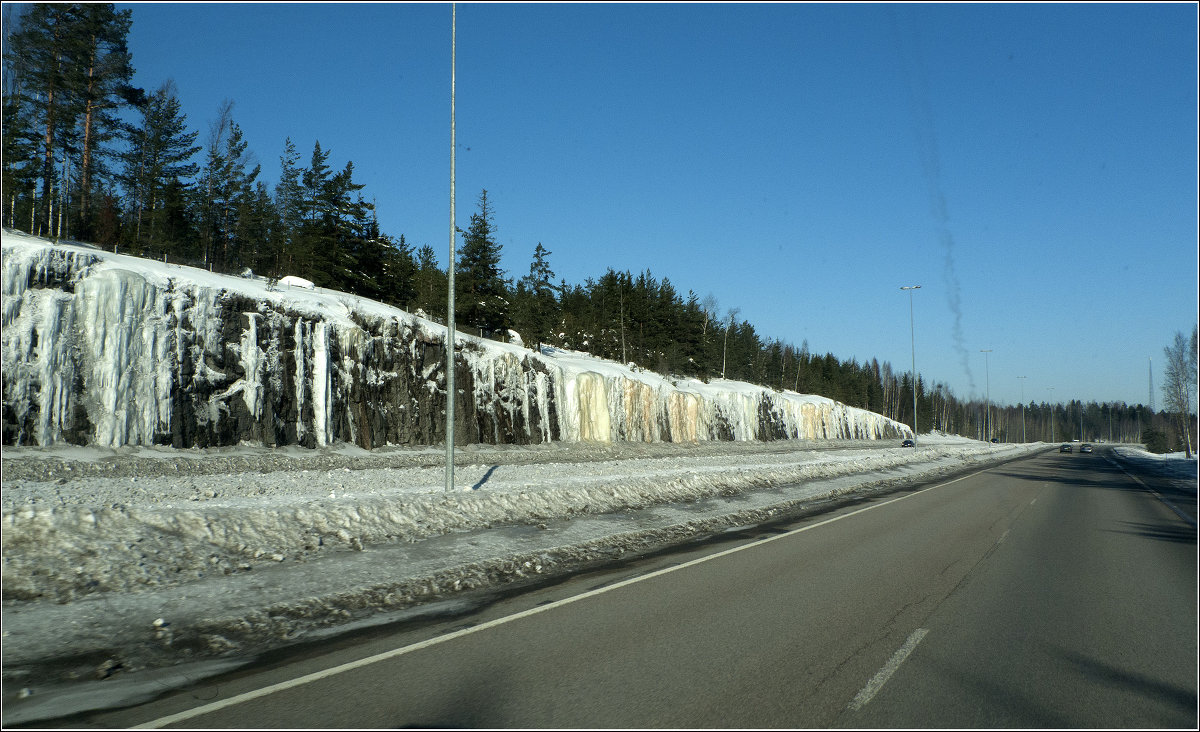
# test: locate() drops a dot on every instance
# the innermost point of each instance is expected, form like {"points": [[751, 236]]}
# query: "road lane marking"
{"points": [[868, 692], [404, 650], [1003, 537]]}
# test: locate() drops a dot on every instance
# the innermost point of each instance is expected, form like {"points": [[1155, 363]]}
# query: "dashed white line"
{"points": [[877, 681]]}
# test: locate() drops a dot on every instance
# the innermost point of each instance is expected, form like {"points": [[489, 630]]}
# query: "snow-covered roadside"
{"points": [[1176, 467], [107, 575]]}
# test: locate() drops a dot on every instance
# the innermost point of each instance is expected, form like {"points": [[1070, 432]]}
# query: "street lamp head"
{"points": [[914, 287]]}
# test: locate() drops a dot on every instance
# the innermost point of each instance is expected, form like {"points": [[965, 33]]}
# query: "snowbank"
{"points": [[108, 567]]}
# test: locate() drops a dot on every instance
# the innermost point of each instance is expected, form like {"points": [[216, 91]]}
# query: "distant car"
{"points": [[1086, 448], [996, 440], [1065, 448], [908, 443]]}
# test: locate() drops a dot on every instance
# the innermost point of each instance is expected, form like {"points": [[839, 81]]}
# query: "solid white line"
{"points": [[868, 692], [396, 652]]}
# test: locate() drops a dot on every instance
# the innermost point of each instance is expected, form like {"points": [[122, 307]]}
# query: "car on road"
{"points": [[1065, 448], [995, 440], [1086, 448], [908, 443]]}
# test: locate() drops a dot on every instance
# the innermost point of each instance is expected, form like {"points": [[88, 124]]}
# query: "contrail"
{"points": [[914, 76]]}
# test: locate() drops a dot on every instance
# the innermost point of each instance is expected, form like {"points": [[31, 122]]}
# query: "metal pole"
{"points": [[1051, 389], [1022, 408], [913, 343], [450, 392], [987, 414]]}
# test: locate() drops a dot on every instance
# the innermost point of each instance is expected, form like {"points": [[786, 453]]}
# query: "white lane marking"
{"points": [[403, 650], [1033, 502], [1003, 537], [868, 692]]}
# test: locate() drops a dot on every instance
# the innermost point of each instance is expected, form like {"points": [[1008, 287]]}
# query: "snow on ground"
{"points": [[1175, 465], [146, 558]]}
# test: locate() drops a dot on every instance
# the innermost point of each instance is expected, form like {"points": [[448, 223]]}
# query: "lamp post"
{"points": [[1022, 378], [913, 342], [1051, 389], [987, 407], [450, 391]]}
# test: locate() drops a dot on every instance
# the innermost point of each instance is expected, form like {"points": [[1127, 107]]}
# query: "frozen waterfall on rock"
{"points": [[112, 350]]}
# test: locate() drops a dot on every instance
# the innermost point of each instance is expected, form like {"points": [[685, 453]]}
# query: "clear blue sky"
{"points": [[1033, 167]]}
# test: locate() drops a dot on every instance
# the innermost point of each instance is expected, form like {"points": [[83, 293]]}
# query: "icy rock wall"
{"points": [[111, 351]]}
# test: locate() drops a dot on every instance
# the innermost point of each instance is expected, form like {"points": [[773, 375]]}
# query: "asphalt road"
{"points": [[1054, 591]]}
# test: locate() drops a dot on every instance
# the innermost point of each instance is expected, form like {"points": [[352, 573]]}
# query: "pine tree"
{"points": [[106, 88], [19, 147], [44, 54]]}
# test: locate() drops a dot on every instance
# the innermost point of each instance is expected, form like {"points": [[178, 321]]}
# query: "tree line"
{"points": [[89, 156]]}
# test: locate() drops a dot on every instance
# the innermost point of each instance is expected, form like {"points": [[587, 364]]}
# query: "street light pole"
{"points": [[987, 419], [450, 390], [1051, 389], [1022, 378], [913, 342]]}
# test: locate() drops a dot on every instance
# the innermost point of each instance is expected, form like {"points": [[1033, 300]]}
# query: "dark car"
{"points": [[995, 440], [1065, 448], [908, 443], [1086, 448]]}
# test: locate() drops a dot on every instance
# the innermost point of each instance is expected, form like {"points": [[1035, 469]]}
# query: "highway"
{"points": [[1053, 591]]}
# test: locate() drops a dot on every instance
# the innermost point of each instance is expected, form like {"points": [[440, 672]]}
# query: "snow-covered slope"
{"points": [[112, 350]]}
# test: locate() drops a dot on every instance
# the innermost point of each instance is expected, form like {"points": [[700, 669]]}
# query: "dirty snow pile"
{"points": [[110, 567]]}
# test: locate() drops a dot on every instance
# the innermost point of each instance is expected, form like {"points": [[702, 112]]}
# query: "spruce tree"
{"points": [[289, 201], [431, 284], [539, 301], [481, 291], [157, 168]]}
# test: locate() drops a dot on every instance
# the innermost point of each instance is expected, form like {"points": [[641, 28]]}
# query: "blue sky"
{"points": [[1033, 167]]}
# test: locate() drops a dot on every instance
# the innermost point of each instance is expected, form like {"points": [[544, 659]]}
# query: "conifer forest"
{"points": [[87, 156]]}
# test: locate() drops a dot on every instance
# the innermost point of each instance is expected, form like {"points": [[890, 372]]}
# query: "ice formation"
{"points": [[113, 350]]}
